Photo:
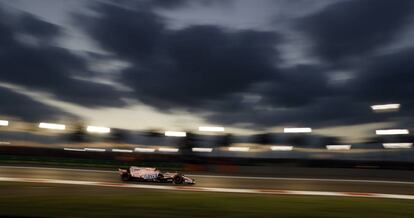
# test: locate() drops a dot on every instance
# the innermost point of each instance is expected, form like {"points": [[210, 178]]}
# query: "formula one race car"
{"points": [[144, 174]]}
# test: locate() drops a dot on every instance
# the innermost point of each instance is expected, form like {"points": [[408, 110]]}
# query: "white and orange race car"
{"points": [[145, 174]]}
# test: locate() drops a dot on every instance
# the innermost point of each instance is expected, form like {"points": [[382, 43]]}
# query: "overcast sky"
{"points": [[177, 64]]}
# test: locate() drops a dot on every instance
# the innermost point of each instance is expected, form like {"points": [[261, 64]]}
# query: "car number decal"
{"points": [[150, 176]]}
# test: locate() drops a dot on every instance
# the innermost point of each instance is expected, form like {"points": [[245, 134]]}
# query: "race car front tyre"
{"points": [[125, 177], [178, 179]]}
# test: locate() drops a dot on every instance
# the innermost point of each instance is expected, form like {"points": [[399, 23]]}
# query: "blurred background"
{"points": [[206, 149]]}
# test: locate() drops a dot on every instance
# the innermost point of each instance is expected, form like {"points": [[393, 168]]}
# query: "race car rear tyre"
{"points": [[178, 179], [160, 178], [125, 177]]}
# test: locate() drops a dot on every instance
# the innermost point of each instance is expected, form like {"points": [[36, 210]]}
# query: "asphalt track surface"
{"points": [[351, 181]]}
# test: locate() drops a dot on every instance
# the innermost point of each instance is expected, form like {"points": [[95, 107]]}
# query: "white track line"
{"points": [[231, 177], [206, 189], [56, 168], [307, 179]]}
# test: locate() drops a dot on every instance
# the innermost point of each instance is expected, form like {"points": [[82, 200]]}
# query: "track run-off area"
{"points": [[339, 187]]}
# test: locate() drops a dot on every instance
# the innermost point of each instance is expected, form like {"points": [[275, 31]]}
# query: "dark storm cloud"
{"points": [[180, 3], [204, 63], [131, 35], [49, 69], [323, 112], [40, 29], [28, 58], [162, 3], [21, 106], [166, 4], [354, 28], [187, 67], [387, 78], [209, 69], [298, 86], [23, 24]]}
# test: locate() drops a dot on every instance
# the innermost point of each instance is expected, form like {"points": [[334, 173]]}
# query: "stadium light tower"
{"points": [[144, 150], [173, 150], [338, 147], [297, 130], [202, 149], [122, 150], [398, 145], [175, 134], [53, 126], [74, 149], [4, 122], [241, 149], [98, 129], [281, 148], [392, 132], [385, 107], [95, 149]]}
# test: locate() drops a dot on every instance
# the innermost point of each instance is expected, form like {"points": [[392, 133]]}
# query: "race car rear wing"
{"points": [[123, 170]]}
